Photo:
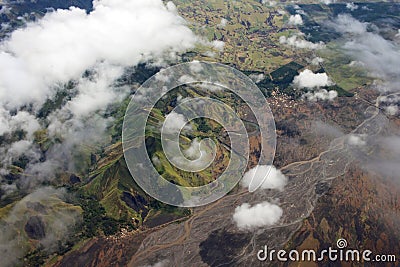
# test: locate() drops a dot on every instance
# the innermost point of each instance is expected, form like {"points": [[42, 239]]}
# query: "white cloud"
{"points": [[351, 6], [308, 79], [249, 217], [12, 152], [321, 95], [20, 147], [390, 99], [65, 43], [381, 58], [219, 45], [297, 42], [174, 122], [209, 54], [268, 175], [4, 121], [392, 110], [223, 23], [347, 24], [328, 2], [95, 94], [317, 60], [269, 3], [172, 7], [160, 76], [196, 157], [37, 60], [193, 151], [356, 140], [196, 66], [301, 12], [257, 77], [20, 121], [379, 55], [295, 19], [186, 79], [156, 160], [356, 63], [366, 8]]}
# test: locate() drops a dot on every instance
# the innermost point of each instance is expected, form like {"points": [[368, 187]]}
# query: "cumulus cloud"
{"points": [[95, 94], [328, 2], [20, 121], [351, 6], [322, 94], [195, 66], [270, 177], [378, 55], [210, 54], [249, 217], [295, 20], [317, 60], [156, 160], [174, 122], [345, 23], [219, 45], [109, 33], [390, 103], [356, 63], [15, 150], [81, 55], [356, 140], [314, 81], [392, 110], [308, 79], [193, 151], [297, 42], [195, 157], [381, 57], [257, 77], [390, 99], [299, 10], [223, 23], [89, 50], [269, 3]]}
